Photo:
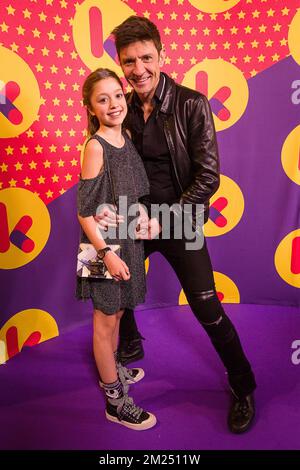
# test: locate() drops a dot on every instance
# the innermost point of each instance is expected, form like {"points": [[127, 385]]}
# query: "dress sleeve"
{"points": [[90, 194]]}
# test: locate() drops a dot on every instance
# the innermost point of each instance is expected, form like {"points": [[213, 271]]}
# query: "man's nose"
{"points": [[139, 68]]}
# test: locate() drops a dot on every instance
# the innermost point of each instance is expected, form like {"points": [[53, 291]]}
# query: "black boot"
{"points": [[241, 414], [130, 349]]}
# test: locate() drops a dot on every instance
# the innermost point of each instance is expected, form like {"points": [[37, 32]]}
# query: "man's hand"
{"points": [[150, 232], [108, 218]]}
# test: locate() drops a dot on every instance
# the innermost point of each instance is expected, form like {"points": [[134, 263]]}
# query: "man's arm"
{"points": [[203, 151]]}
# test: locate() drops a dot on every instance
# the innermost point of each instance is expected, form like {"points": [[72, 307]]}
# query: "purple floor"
{"points": [[50, 398]]}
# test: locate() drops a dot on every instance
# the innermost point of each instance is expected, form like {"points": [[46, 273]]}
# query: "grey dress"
{"points": [[129, 179]]}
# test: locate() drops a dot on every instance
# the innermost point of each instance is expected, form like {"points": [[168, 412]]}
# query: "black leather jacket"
{"points": [[190, 134]]}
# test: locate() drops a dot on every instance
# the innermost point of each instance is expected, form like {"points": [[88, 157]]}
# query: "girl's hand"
{"points": [[116, 267], [108, 218]]}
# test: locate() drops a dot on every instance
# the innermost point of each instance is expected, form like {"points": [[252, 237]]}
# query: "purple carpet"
{"points": [[50, 398]]}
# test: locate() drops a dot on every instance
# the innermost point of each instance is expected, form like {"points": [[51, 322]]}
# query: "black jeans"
{"points": [[194, 271]]}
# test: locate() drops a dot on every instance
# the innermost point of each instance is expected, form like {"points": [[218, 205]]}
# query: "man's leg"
{"points": [[194, 270], [130, 346]]}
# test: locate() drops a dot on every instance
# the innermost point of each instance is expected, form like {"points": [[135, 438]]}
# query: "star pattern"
{"points": [[45, 159]]}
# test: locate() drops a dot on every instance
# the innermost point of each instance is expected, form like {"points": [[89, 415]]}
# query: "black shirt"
{"points": [[150, 141]]}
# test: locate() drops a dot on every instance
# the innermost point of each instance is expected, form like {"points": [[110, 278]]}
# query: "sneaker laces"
{"points": [[127, 407], [124, 373]]}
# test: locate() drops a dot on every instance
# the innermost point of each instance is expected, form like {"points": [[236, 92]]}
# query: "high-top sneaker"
{"points": [[124, 411]]}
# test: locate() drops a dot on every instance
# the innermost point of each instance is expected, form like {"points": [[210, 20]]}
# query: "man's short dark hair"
{"points": [[136, 28]]}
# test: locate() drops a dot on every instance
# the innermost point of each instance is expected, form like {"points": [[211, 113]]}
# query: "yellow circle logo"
{"points": [[293, 37], [25, 227], [214, 6], [93, 22], [287, 258], [26, 328], [226, 208], [225, 87], [226, 289], [290, 155], [19, 95]]}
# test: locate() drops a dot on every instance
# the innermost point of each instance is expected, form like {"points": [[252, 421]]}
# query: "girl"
{"points": [[106, 109]]}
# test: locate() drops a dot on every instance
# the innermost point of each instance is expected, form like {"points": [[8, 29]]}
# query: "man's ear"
{"points": [[162, 57]]}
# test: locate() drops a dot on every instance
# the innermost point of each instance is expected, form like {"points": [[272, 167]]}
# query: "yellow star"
{"points": [[167, 31], [10, 10], [47, 164], [55, 178], [50, 117], [52, 148], [68, 70], [32, 165], [61, 163], [277, 27], [27, 181], [42, 101], [42, 16], [45, 51], [63, 4], [226, 45], [26, 14], [283, 42], [75, 87], [227, 15], [53, 69], [14, 47], [270, 12], [193, 61], [12, 183], [261, 58], [64, 117], [213, 46], [213, 16], [39, 67], [77, 117], [193, 31], [62, 86], [48, 85], [4, 167], [275, 57], [57, 19], [254, 44], [9, 150], [58, 133], [200, 16], [269, 43], [285, 11], [247, 59], [41, 179], [24, 149], [173, 16], [187, 16], [168, 60], [36, 33], [66, 148], [38, 149], [4, 27], [206, 31], [70, 102], [146, 14], [200, 46], [20, 30], [62, 191], [241, 15], [160, 15], [56, 101], [255, 13], [81, 72], [180, 60], [65, 37], [30, 133], [30, 49], [262, 28], [174, 75], [44, 133], [49, 194], [186, 46], [68, 177], [233, 30], [18, 166], [248, 29], [74, 55], [220, 31], [74, 162], [72, 132], [180, 31], [51, 35], [240, 45], [49, 2]]}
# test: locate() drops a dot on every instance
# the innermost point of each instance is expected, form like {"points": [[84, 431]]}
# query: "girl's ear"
{"points": [[90, 111]]}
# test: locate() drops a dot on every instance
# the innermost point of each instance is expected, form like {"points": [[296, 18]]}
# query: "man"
{"points": [[173, 130]]}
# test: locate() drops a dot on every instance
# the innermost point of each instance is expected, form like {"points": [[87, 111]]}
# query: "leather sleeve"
{"points": [[203, 152]]}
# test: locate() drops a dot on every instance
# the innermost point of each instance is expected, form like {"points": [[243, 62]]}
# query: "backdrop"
{"points": [[243, 54]]}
